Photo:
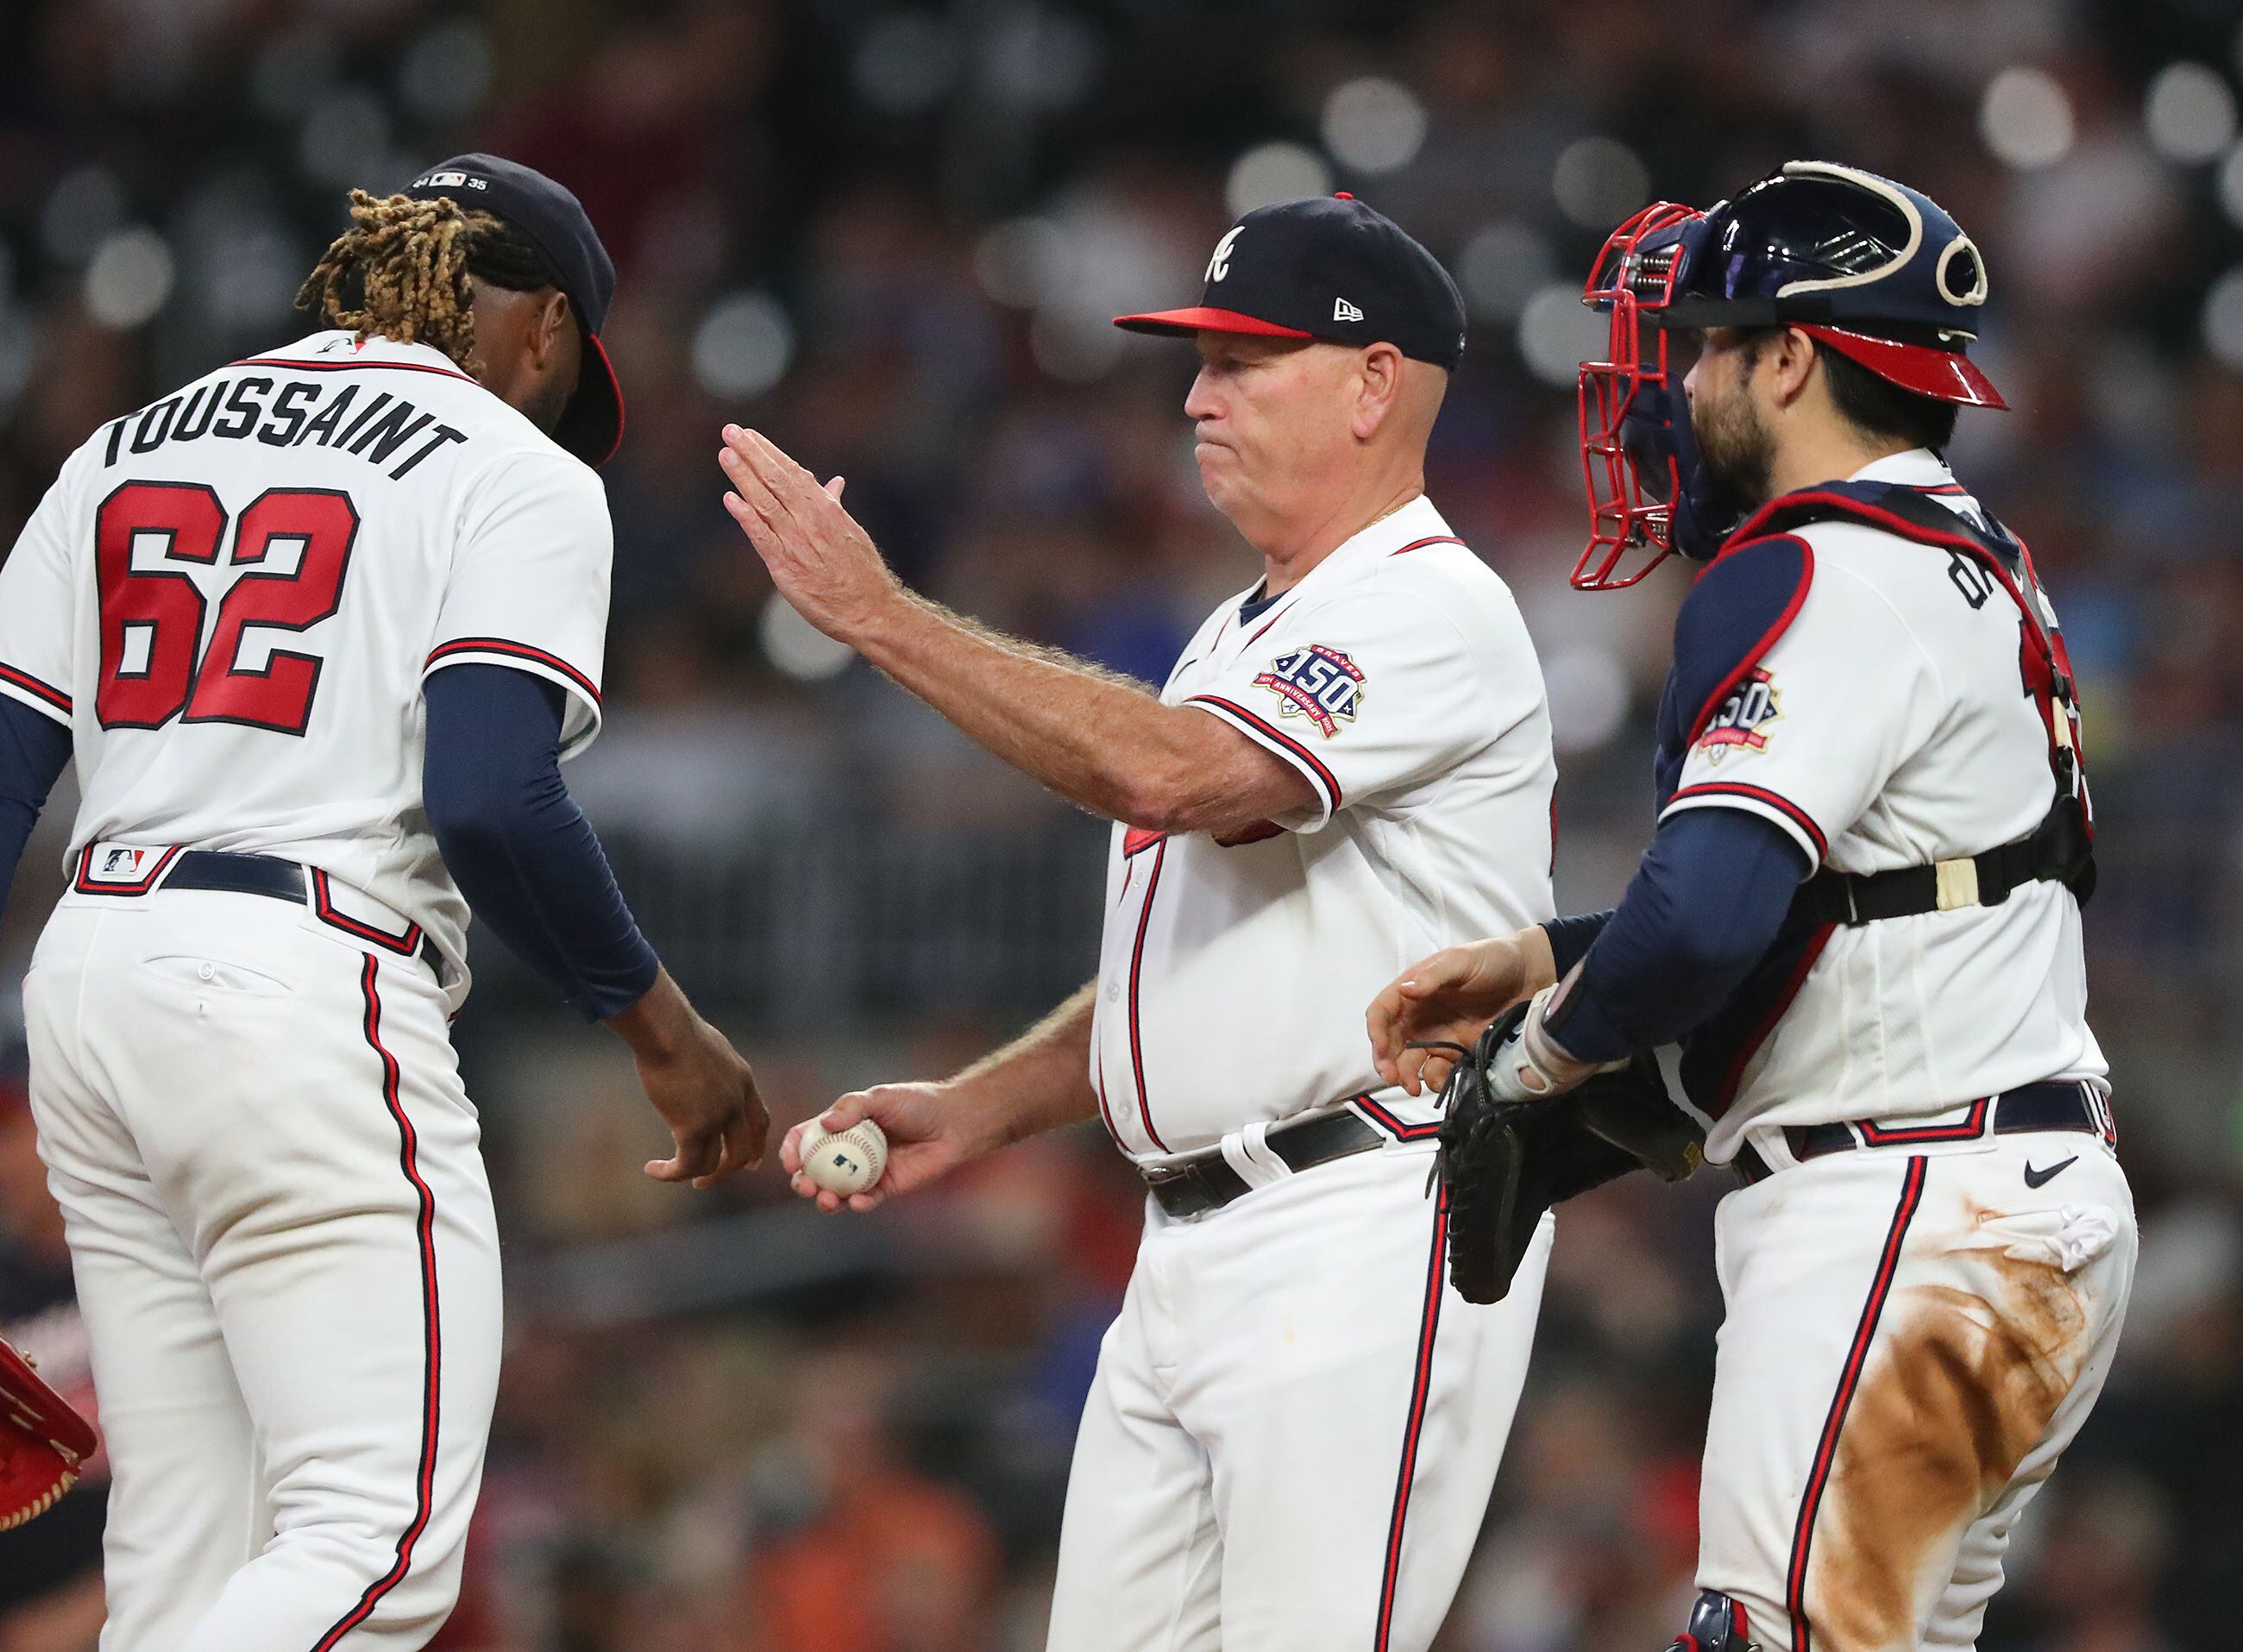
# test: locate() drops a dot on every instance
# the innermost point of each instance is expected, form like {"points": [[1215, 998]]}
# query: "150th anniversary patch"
{"points": [[1320, 684], [1744, 717]]}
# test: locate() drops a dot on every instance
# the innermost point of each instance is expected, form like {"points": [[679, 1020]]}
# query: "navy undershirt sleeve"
{"points": [[1571, 938], [34, 752], [1704, 906], [520, 849]]}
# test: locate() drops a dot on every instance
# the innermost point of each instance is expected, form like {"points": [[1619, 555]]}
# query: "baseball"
{"points": [[843, 1162]]}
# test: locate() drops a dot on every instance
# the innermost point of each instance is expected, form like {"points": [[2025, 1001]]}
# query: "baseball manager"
{"points": [[1296, 1423]]}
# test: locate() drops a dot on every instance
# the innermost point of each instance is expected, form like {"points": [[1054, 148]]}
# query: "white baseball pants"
{"points": [[286, 1260], [1913, 1336], [1296, 1423]]}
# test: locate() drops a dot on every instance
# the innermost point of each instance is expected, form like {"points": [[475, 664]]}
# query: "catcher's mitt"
{"points": [[1504, 1162], [41, 1442]]}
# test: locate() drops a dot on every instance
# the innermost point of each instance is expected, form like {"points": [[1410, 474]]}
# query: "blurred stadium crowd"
{"points": [[891, 236]]}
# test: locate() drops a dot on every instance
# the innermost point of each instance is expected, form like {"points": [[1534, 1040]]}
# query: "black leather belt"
{"points": [[2075, 1106], [276, 879], [1208, 1182]]}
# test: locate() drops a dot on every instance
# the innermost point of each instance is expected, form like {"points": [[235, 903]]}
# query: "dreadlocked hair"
{"points": [[406, 269]]}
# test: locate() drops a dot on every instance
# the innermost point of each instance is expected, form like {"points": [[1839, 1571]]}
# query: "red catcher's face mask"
{"points": [[1647, 492]]}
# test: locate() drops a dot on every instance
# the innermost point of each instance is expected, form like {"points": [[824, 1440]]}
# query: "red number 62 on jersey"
{"points": [[154, 663]]}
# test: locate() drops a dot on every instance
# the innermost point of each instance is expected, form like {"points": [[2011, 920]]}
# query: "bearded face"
{"points": [[1734, 442]]}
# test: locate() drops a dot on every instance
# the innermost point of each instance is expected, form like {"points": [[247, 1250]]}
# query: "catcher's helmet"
{"points": [[1871, 269]]}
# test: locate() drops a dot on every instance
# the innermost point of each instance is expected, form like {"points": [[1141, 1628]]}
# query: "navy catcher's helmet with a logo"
{"points": [[1871, 269]]}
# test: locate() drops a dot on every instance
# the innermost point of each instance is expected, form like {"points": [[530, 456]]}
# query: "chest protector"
{"points": [[2061, 849]]}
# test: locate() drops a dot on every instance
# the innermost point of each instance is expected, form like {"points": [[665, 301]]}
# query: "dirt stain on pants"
{"points": [[1963, 1384]]}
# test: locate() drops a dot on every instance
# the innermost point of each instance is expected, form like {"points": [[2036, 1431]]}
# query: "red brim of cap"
{"points": [[1943, 374], [1201, 319], [592, 424]]}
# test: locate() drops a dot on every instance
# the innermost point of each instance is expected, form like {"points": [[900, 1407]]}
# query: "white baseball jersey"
{"points": [[1398, 678], [232, 596], [1889, 726]]}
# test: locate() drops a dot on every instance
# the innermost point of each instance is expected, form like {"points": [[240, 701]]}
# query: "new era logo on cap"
{"points": [[1279, 273]]}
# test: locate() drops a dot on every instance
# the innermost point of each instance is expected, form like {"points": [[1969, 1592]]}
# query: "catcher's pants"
{"points": [[1295, 1426], [288, 1263], [1913, 1336]]}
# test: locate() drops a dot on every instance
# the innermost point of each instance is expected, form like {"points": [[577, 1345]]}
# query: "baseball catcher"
{"points": [[1858, 919]]}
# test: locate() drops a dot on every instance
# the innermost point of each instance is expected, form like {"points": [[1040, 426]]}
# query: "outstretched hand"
{"points": [[1449, 998], [820, 559], [704, 1092]]}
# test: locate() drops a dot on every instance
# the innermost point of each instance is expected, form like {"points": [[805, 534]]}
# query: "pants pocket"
{"points": [[198, 972]]}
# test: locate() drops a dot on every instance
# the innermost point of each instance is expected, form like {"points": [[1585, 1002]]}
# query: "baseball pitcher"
{"points": [[316, 629]]}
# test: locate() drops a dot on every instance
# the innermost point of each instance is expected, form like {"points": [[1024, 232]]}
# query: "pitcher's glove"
{"points": [[1504, 1159], [41, 1442]]}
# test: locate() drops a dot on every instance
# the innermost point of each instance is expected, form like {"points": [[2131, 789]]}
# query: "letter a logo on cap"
{"points": [[1219, 266]]}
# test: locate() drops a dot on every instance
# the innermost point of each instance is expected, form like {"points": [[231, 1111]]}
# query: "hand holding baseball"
{"points": [[917, 1145]]}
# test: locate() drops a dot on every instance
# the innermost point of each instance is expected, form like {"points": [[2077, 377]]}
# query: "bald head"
{"points": [[1302, 443]]}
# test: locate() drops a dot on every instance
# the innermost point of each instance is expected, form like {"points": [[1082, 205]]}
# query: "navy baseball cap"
{"points": [[1324, 268], [592, 424]]}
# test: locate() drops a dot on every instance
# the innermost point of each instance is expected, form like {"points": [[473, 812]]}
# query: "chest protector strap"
{"points": [[2061, 849]]}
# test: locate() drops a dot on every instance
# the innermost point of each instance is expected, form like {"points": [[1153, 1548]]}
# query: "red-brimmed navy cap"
{"points": [[1327, 268]]}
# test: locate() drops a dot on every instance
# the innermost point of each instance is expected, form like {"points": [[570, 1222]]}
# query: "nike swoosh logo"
{"points": [[2042, 1179]]}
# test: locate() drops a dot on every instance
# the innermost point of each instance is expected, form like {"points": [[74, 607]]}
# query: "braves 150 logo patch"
{"points": [[1320, 684], [1743, 719]]}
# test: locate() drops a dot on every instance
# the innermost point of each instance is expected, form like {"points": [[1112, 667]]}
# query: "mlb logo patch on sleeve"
{"points": [[1744, 717], [1320, 684]]}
